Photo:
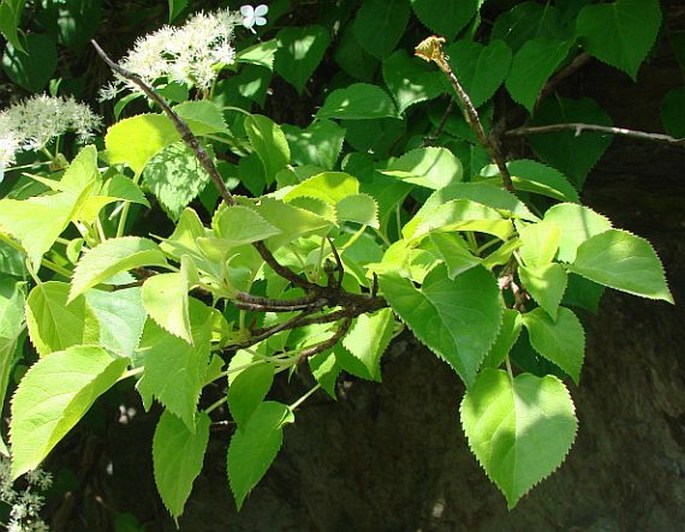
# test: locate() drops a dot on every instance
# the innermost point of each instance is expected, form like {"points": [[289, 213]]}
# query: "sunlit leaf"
{"points": [[53, 396], [519, 430]]}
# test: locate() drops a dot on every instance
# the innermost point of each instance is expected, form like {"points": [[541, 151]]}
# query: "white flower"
{"points": [[32, 123], [192, 54], [254, 16]]}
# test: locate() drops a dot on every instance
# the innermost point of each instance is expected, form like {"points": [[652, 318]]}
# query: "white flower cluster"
{"points": [[192, 54], [32, 123], [24, 504]]}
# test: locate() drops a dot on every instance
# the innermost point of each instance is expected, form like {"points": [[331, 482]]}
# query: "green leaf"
{"points": [[445, 17], [559, 340], [359, 208], [352, 58], [462, 215], [623, 261], [261, 54], [671, 112], [202, 116], [480, 69], [546, 284], [520, 430], [527, 21], [56, 323], [121, 316], [10, 17], [411, 80], [574, 155], [253, 449], [33, 69], [241, 225], [325, 370], [458, 319], [247, 390], [359, 101], [175, 370], [53, 396], [368, 339], [300, 51], [330, 187], [165, 298], [427, 167], [291, 221], [532, 65], [577, 224], [485, 194], [37, 221], [621, 33], [175, 177], [376, 137], [113, 256], [539, 243], [533, 176], [583, 293], [379, 25], [175, 9], [136, 140], [269, 142], [454, 252], [12, 298], [319, 144], [508, 334], [177, 456]]}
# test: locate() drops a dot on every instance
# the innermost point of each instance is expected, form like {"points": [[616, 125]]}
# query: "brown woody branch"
{"points": [[430, 49], [580, 128]]}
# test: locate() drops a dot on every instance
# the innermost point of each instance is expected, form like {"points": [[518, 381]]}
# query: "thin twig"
{"points": [[339, 264], [328, 343], [579, 128], [578, 62], [430, 49], [443, 122]]}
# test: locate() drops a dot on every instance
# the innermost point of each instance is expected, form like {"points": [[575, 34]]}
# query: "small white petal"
{"points": [[261, 10]]}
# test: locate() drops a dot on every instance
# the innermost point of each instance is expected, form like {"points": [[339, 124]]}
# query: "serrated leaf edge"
{"points": [[544, 477]]}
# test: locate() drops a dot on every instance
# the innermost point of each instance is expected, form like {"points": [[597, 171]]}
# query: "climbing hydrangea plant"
{"points": [[313, 245]]}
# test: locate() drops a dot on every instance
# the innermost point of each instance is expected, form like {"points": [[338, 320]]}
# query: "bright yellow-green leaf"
{"points": [[111, 257], [56, 322], [53, 396], [520, 430]]}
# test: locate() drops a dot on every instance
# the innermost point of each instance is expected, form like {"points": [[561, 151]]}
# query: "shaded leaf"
{"points": [[546, 284], [620, 33], [177, 456], [299, 52], [253, 449], [458, 319], [480, 69], [560, 340], [379, 25], [359, 101]]}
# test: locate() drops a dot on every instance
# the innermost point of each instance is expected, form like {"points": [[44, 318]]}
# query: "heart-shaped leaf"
{"points": [[520, 430]]}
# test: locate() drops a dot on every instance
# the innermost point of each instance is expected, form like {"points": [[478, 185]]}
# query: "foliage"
{"points": [[307, 246]]}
